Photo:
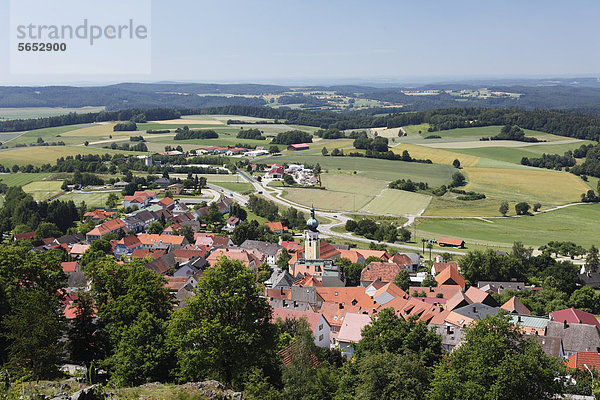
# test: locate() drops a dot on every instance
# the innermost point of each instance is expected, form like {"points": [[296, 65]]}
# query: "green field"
{"points": [[42, 190], [352, 184], [38, 156], [327, 199], [49, 135], [397, 202], [435, 175], [91, 199], [240, 187], [414, 129], [21, 179], [576, 223]]}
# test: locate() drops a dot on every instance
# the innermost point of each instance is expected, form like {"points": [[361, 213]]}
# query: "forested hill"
{"points": [[533, 95]]}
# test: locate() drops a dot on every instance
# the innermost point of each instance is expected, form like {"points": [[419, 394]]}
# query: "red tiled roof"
{"points": [[440, 266], [352, 255], [327, 251], [292, 247], [276, 226], [143, 253], [580, 360], [384, 271], [476, 295], [150, 239], [452, 242], [574, 316], [513, 305], [176, 283], [68, 266], [450, 276], [383, 255], [25, 236], [312, 318], [349, 295], [401, 259], [448, 291], [308, 280]]}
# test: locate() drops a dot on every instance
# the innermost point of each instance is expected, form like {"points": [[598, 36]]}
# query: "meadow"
{"points": [[437, 156], [40, 155], [576, 223], [42, 190], [91, 199], [397, 202], [21, 179]]}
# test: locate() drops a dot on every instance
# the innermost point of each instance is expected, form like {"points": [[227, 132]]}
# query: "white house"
{"points": [[350, 332], [318, 325]]}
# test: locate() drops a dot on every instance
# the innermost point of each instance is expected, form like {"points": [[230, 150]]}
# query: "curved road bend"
{"points": [[274, 194]]}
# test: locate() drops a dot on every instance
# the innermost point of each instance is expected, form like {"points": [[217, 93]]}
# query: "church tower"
{"points": [[312, 245]]}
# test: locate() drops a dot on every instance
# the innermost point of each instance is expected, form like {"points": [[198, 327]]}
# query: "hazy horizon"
{"points": [[312, 42]]}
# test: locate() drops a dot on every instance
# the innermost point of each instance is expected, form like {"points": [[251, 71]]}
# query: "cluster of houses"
{"points": [[302, 176], [313, 286]]}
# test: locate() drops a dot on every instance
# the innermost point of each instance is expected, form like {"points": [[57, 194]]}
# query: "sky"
{"points": [[310, 41]]}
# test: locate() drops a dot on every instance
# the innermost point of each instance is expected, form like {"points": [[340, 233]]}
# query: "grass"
{"points": [[21, 179], [47, 134], [576, 223], [42, 190], [433, 174], [397, 202], [327, 199], [93, 199], [353, 184], [240, 187], [437, 156], [38, 156], [449, 206], [533, 185], [414, 129]]}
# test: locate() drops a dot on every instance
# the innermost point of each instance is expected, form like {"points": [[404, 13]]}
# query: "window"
{"points": [[321, 327], [321, 338]]}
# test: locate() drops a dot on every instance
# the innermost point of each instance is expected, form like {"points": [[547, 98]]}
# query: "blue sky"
{"points": [[329, 40]]}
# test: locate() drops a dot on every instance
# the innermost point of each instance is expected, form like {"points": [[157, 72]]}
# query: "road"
{"points": [[274, 194], [238, 197]]}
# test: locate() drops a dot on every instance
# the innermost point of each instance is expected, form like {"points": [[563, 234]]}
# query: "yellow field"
{"points": [[397, 202], [437, 156], [327, 199], [47, 154], [352, 184], [387, 132], [98, 131], [544, 186]]}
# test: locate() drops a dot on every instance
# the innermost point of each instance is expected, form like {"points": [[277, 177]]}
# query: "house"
{"points": [[499, 287], [438, 267], [271, 251], [574, 316], [446, 242], [175, 189], [162, 182], [350, 332], [450, 276], [382, 271], [514, 306], [352, 255], [120, 185], [324, 270], [221, 242], [152, 241], [235, 151], [242, 255], [78, 249], [276, 227], [70, 240], [138, 199], [415, 259], [231, 223], [133, 223], [380, 254], [552, 346], [575, 337], [464, 316], [530, 325], [110, 226], [167, 203], [479, 296], [146, 217], [180, 208], [24, 236], [99, 214], [163, 264], [439, 292], [346, 296], [126, 246], [584, 360], [280, 280], [69, 267], [451, 336], [318, 324], [275, 173], [298, 147], [224, 205]]}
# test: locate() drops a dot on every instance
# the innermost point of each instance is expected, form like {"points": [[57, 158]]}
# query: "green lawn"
{"points": [[435, 175], [91, 199], [397, 202], [38, 156], [240, 187], [42, 190], [21, 179], [578, 224]]}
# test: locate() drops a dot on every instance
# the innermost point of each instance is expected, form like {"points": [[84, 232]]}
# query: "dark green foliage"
{"points": [[263, 208], [408, 185], [495, 361], [224, 330], [513, 133], [252, 230], [522, 208], [292, 137], [185, 134], [402, 280], [125, 126], [252, 133]]}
